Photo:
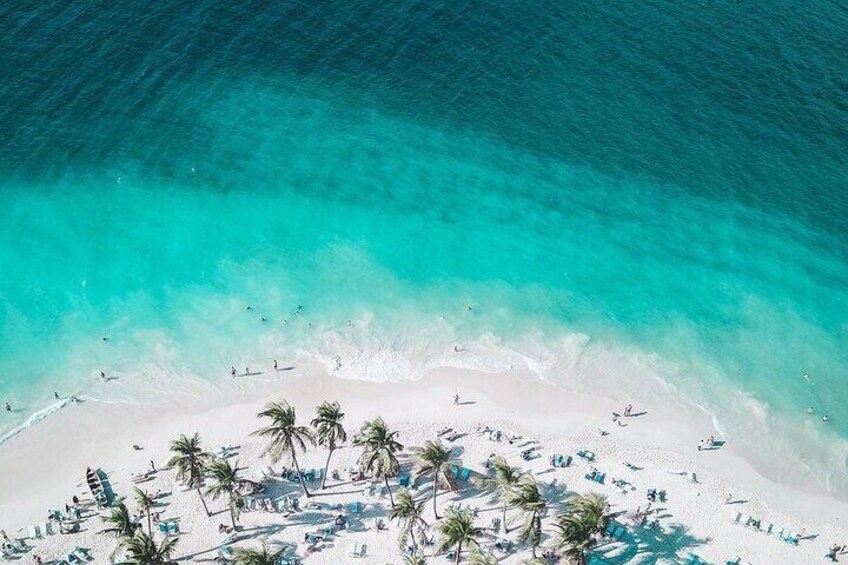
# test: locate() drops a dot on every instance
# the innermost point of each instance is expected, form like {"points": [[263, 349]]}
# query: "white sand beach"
{"points": [[42, 468]]}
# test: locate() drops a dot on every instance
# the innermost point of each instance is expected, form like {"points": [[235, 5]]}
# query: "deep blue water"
{"points": [[626, 193]]}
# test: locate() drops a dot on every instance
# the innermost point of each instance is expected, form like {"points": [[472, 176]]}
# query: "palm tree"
{"points": [[528, 499], [408, 513], [142, 549], [286, 437], [121, 522], [414, 559], [458, 529], [480, 557], [432, 458], [329, 430], [145, 503], [244, 556], [502, 484], [189, 460], [578, 525], [228, 481], [379, 448]]}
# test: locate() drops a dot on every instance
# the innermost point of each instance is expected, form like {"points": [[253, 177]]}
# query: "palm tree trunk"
{"points": [[326, 469], [458, 551], [388, 488], [300, 475], [435, 492], [149, 524], [202, 501], [233, 513], [506, 530]]}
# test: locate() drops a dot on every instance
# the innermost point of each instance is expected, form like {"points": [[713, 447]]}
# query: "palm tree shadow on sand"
{"points": [[649, 547]]}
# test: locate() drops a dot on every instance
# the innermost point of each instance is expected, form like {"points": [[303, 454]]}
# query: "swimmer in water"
{"points": [[810, 410], [825, 418], [8, 407]]}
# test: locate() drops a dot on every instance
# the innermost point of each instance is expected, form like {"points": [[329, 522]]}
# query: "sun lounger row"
{"points": [[757, 525]]}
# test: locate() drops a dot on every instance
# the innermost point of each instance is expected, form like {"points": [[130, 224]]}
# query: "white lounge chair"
{"points": [[357, 549], [33, 532]]}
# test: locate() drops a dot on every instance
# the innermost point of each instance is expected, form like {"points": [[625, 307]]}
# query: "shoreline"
{"points": [[40, 467]]}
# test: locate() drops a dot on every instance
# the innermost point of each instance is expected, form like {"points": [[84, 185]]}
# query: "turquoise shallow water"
{"points": [[644, 202]]}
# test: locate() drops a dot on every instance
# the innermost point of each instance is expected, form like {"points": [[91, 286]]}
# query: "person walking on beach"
{"points": [[456, 400], [152, 466], [103, 376], [233, 371], [56, 394], [275, 364], [8, 407], [628, 409]]}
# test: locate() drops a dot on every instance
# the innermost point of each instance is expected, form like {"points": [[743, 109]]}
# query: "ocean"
{"points": [[647, 200]]}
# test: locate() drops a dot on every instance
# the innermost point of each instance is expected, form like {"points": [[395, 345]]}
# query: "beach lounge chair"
{"points": [[403, 480], [83, 554], [692, 559], [226, 553], [768, 529], [354, 507], [735, 561], [46, 530], [738, 518], [357, 549], [464, 474], [585, 454], [33, 532]]}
